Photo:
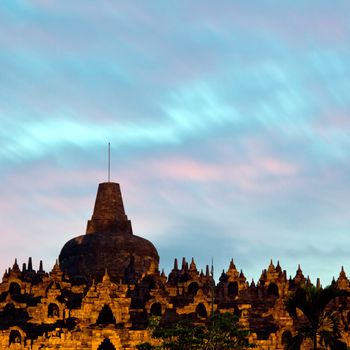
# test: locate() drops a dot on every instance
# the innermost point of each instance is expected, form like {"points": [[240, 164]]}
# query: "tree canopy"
{"points": [[222, 332]]}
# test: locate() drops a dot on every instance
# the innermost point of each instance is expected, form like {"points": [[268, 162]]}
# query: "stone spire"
{"points": [[5, 276], [41, 269], [30, 264], [342, 273], [175, 272], [15, 271], [271, 267], [109, 214], [30, 272], [207, 273], [232, 272], [278, 267], [56, 272], [342, 281], [15, 266], [193, 269], [184, 266], [299, 276], [232, 265], [193, 266], [223, 277], [106, 278]]}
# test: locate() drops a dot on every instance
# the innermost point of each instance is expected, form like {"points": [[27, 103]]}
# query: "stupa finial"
{"points": [[109, 162]]}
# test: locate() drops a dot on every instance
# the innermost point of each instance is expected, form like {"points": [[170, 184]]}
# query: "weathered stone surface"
{"points": [[109, 214], [89, 255]]}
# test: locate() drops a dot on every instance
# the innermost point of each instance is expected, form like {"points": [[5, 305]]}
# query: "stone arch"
{"points": [[15, 288], [286, 337], [201, 311], [15, 337], [106, 345], [156, 309], [53, 310], [192, 288], [232, 289], [106, 316], [272, 289]]}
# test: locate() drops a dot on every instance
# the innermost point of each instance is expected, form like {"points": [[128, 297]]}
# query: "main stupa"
{"points": [[109, 244]]}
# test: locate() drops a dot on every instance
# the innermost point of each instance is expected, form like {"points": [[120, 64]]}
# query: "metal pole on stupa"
{"points": [[212, 287], [109, 162]]}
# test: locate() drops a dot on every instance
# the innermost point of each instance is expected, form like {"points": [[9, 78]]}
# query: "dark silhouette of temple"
{"points": [[106, 284], [109, 243]]}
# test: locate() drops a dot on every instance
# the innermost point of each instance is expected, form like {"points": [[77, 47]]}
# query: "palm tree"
{"points": [[317, 321]]}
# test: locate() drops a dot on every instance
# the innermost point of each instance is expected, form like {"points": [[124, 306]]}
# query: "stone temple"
{"points": [[106, 285]]}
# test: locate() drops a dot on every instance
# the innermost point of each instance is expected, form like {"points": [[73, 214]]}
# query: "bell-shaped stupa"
{"points": [[109, 243]]}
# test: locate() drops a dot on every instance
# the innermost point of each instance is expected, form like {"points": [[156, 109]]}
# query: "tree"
{"points": [[316, 321], [223, 332]]}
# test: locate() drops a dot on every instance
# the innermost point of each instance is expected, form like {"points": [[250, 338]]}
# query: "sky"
{"points": [[228, 121]]}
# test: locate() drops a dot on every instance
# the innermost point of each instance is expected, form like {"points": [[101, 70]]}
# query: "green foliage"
{"points": [[319, 325], [145, 346], [223, 332]]}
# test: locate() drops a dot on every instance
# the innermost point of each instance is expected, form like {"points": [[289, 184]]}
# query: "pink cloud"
{"points": [[334, 118], [257, 173], [188, 169], [276, 167]]}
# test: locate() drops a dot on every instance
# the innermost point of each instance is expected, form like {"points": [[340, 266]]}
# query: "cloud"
{"points": [[228, 125]]}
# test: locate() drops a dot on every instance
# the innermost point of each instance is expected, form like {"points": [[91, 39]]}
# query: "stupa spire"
{"points": [[30, 264], [109, 214]]}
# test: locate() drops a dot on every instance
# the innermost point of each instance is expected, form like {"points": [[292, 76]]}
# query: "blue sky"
{"points": [[228, 121]]}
